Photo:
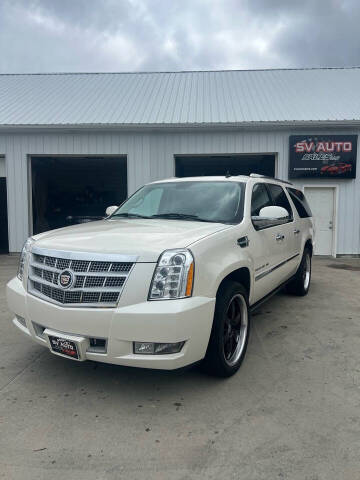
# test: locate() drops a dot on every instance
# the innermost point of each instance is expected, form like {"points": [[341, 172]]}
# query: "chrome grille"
{"points": [[96, 283], [99, 267]]}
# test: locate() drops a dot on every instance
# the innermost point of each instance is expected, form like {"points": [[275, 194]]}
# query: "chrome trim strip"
{"points": [[72, 305], [275, 267], [78, 289], [101, 273], [90, 256]]}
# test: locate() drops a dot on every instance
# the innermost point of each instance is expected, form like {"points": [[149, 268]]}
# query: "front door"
{"points": [[321, 201], [271, 245]]}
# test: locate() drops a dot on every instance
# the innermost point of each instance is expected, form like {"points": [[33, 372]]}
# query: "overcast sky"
{"points": [[135, 35]]}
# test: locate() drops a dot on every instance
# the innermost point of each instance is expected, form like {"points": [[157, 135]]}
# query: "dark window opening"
{"points": [[4, 241], [300, 202], [213, 165], [280, 199], [260, 198], [70, 190]]}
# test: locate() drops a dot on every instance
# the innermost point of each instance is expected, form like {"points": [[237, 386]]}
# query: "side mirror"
{"points": [[270, 217], [110, 210]]}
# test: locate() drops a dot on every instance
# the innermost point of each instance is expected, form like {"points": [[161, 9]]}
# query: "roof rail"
{"points": [[257, 175]]}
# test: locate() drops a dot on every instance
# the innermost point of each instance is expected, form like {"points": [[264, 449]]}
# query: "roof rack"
{"points": [[257, 175]]}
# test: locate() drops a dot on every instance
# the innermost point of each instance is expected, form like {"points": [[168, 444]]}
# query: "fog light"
{"points": [[21, 320], [150, 348]]}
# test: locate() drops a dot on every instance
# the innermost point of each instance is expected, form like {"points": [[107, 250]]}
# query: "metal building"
{"points": [[71, 144]]}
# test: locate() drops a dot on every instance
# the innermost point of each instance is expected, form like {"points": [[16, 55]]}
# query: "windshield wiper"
{"points": [[170, 216], [180, 216], [129, 215]]}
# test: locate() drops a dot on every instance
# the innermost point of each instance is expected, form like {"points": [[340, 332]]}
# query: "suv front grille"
{"points": [[96, 283]]}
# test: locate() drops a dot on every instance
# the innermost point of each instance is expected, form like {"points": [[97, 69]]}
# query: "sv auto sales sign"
{"points": [[322, 156]]}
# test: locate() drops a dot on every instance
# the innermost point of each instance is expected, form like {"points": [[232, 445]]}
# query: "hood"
{"points": [[146, 239]]}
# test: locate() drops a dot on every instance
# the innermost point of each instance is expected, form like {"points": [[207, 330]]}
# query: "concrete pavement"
{"points": [[291, 412]]}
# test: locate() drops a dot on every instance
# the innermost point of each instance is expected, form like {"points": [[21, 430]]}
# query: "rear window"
{"points": [[300, 202]]}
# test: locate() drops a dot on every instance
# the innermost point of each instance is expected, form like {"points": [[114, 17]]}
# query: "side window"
{"points": [[300, 202], [280, 199], [260, 198]]}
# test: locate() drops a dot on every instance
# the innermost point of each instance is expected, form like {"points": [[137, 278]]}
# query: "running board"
{"points": [[269, 295]]}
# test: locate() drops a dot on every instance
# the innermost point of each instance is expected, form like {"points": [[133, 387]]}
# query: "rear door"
{"points": [[303, 220], [290, 231]]}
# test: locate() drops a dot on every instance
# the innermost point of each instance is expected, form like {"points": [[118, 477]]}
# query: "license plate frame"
{"points": [[64, 346]]}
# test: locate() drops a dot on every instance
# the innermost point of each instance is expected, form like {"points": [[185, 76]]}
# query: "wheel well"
{"points": [[309, 245], [241, 275]]}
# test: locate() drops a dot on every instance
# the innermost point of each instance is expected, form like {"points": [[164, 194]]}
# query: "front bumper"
{"points": [[172, 321]]}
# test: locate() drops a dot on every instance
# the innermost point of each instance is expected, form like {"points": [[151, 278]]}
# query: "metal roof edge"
{"points": [[179, 126], [134, 72]]}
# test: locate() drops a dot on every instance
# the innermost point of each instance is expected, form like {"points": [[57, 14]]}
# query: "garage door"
{"points": [[70, 190], [201, 165]]}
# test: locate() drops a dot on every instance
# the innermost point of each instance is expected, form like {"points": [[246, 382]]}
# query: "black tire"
{"points": [[230, 331], [301, 282]]}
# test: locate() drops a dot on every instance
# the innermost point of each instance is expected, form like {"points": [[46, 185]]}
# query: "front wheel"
{"points": [[230, 331], [301, 282]]}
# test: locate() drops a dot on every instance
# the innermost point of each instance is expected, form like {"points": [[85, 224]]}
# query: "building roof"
{"points": [[234, 97]]}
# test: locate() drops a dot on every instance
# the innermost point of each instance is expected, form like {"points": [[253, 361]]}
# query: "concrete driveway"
{"points": [[291, 412]]}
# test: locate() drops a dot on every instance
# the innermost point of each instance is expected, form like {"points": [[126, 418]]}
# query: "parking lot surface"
{"points": [[291, 412]]}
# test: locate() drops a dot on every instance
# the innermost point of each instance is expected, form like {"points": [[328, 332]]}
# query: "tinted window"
{"points": [[280, 199], [300, 202], [206, 201], [260, 199]]}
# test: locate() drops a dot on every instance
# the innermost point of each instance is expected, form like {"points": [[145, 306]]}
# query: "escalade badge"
{"points": [[66, 279]]}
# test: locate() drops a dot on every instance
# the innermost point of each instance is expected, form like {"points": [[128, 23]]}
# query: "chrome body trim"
{"points": [[275, 267], [243, 242], [90, 256]]}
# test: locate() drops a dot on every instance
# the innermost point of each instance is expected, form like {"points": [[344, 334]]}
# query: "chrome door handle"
{"points": [[279, 237], [296, 231]]}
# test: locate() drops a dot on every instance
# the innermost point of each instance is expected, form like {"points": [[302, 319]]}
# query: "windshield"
{"points": [[220, 202]]}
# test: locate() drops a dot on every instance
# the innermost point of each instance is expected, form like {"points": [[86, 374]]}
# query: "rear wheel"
{"points": [[230, 331], [301, 283]]}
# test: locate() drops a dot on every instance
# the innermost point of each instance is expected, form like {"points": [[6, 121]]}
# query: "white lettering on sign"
{"points": [[327, 147]]}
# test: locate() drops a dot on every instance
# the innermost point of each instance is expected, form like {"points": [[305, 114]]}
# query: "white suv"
{"points": [[169, 277]]}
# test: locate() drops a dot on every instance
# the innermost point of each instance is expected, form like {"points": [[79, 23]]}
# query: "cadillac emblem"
{"points": [[66, 279]]}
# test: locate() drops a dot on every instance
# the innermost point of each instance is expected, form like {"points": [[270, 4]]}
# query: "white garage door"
{"points": [[321, 201]]}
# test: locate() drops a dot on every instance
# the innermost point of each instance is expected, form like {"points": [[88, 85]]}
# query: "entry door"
{"points": [[321, 201]]}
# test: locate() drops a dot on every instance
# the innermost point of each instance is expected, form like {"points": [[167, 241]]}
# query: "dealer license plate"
{"points": [[64, 347]]}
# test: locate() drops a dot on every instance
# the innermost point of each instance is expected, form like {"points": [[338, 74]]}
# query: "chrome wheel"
{"points": [[307, 271], [235, 329]]}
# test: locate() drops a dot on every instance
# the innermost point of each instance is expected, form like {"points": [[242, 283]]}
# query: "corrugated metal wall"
{"points": [[151, 156]]}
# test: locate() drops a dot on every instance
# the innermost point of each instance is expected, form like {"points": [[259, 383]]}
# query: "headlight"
{"points": [[173, 276], [23, 257]]}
